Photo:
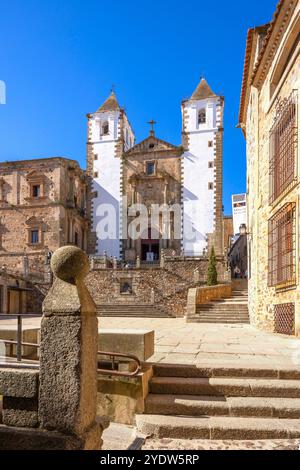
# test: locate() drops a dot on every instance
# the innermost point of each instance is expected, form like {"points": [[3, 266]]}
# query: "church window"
{"points": [[210, 164], [96, 174], [105, 128], [150, 168], [210, 186], [210, 143], [34, 237], [95, 157], [36, 190], [202, 116]]}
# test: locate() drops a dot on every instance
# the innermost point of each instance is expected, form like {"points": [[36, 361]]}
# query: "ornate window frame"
{"points": [[34, 224]]}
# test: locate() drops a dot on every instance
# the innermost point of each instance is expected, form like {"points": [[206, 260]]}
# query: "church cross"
{"points": [[152, 124]]}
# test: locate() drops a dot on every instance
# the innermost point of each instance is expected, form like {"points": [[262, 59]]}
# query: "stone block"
{"points": [[36, 439], [139, 343], [20, 412], [19, 383]]}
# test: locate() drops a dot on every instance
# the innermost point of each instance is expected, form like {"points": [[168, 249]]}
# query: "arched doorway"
{"points": [[150, 246]]}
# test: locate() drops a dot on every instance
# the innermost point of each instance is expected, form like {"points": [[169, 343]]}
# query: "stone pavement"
{"points": [[177, 342], [196, 445], [122, 437]]}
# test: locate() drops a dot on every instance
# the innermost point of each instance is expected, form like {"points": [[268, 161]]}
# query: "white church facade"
{"points": [[127, 177]]}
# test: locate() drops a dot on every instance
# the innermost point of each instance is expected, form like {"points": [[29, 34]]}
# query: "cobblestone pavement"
{"points": [[177, 342], [174, 444]]}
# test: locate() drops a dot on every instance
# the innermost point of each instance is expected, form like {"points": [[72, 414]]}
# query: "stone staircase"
{"points": [[187, 402], [132, 311], [233, 310]]}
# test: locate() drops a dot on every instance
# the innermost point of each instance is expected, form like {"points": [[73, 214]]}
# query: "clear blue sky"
{"points": [[59, 59]]}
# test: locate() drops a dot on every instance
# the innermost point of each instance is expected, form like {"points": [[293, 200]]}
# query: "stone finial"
{"points": [[69, 264]]}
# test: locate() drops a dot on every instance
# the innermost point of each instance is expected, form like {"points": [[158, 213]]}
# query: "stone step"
{"points": [[133, 315], [229, 311], [185, 405], [194, 371], [175, 427], [225, 315], [228, 387], [218, 322], [223, 307], [222, 318], [135, 310], [222, 315]]}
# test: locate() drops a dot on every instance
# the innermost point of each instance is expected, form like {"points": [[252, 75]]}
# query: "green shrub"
{"points": [[212, 274]]}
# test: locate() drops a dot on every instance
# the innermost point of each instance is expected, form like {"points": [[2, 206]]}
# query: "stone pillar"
{"points": [[138, 262], [105, 259], [196, 276], [68, 354], [162, 259], [152, 296], [25, 266]]}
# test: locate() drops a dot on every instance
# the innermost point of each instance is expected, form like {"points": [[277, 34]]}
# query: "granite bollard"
{"points": [[68, 355]]}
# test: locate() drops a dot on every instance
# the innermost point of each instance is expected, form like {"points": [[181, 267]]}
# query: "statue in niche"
{"points": [[126, 288]]}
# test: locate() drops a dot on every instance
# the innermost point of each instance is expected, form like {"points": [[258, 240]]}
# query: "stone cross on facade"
{"points": [[152, 124]]}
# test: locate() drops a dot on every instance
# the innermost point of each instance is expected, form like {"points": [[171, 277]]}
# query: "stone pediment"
{"points": [[150, 145], [33, 175], [160, 175]]}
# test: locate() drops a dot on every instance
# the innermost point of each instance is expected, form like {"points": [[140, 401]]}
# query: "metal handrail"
{"points": [[99, 353], [117, 373]]}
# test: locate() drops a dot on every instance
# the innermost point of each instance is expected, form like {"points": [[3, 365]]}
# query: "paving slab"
{"points": [[234, 345], [206, 445]]}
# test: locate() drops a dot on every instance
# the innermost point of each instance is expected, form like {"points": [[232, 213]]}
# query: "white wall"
{"points": [[107, 184], [198, 199]]}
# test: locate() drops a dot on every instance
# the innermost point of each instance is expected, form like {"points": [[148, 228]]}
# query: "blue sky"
{"points": [[59, 59]]}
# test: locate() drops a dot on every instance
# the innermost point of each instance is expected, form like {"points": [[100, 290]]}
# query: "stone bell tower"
{"points": [[109, 136], [202, 139]]}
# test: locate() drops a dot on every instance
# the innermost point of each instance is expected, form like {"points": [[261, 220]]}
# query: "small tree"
{"points": [[212, 274]]}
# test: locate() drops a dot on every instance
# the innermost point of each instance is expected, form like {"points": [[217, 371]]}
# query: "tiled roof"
{"points": [[203, 91], [111, 104]]}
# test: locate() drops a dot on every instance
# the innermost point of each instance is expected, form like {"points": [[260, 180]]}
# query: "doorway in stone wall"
{"points": [[150, 246]]}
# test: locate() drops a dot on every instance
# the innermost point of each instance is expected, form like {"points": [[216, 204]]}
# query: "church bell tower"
{"points": [[109, 136], [202, 139]]}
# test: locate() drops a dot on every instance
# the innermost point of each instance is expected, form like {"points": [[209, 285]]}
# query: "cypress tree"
{"points": [[212, 274]]}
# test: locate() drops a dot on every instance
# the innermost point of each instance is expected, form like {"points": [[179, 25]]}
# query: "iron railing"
{"points": [[283, 147], [34, 363], [282, 247]]}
